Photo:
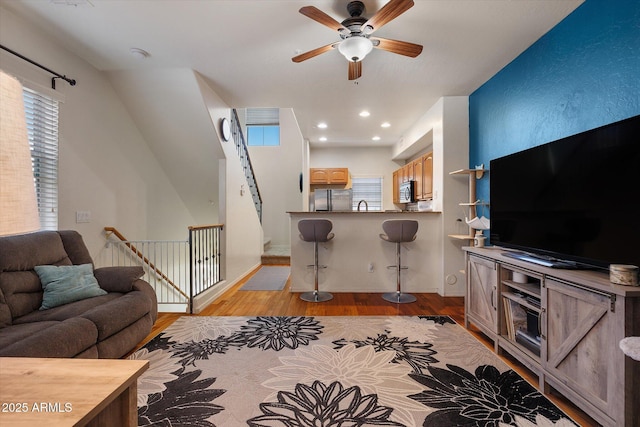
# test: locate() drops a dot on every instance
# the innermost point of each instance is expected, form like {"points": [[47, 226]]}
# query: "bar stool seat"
{"points": [[399, 231], [316, 231]]}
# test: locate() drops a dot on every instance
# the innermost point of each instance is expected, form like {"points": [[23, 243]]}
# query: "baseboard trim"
{"points": [[203, 300]]}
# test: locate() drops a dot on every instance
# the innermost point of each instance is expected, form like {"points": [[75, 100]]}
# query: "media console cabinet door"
{"points": [[483, 285], [582, 346]]}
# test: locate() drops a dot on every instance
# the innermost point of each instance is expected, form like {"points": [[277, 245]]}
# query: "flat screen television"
{"points": [[571, 203]]}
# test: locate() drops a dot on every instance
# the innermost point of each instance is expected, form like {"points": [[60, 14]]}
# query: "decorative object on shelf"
{"points": [[479, 223], [478, 240], [225, 129], [519, 277], [631, 347], [621, 274]]}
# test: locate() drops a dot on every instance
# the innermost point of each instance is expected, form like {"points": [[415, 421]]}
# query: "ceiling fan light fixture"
{"points": [[355, 48]]}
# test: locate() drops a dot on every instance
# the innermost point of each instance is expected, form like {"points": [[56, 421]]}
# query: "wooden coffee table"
{"points": [[69, 392]]}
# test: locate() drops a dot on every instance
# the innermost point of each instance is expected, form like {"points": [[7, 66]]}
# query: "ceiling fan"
{"points": [[356, 31]]}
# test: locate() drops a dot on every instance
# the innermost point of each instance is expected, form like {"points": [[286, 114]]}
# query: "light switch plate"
{"points": [[83, 216]]}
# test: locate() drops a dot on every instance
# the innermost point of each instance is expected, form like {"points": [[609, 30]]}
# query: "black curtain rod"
{"points": [[72, 82]]}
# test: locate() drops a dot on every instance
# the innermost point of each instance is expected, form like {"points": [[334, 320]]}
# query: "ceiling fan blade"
{"points": [[395, 46], [324, 19], [355, 70], [389, 11], [315, 52]]}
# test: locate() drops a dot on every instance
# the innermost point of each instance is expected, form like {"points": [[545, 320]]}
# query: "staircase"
{"points": [[276, 254], [245, 161]]}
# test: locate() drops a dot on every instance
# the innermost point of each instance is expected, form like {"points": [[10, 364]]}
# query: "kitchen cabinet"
{"points": [[419, 170], [417, 177], [397, 179], [427, 176], [328, 176], [407, 172], [573, 321], [423, 176]]}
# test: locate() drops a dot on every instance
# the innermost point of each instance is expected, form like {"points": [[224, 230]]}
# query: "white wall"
{"points": [[446, 124], [106, 167], [277, 172], [369, 161], [242, 235], [166, 105]]}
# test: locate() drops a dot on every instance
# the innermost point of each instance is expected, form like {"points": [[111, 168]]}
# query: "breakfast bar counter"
{"points": [[357, 258]]}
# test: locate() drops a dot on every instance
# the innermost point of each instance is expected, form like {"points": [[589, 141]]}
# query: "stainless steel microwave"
{"points": [[407, 192]]}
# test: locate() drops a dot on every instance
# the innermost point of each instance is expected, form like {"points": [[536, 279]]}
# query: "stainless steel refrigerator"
{"points": [[326, 199]]}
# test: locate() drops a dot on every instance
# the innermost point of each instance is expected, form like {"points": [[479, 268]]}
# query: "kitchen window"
{"points": [[368, 189]]}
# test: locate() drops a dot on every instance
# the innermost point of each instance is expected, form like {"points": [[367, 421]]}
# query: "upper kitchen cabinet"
{"points": [[397, 180], [319, 176], [427, 176], [407, 172], [417, 177], [419, 170]]}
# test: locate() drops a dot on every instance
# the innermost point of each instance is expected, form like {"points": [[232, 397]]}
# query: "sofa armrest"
{"points": [[118, 279], [145, 287]]}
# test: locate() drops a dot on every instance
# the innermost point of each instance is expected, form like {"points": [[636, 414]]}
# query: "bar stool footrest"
{"points": [[315, 296], [398, 297]]}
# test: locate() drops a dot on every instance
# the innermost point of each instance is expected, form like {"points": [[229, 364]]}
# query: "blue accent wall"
{"points": [[582, 74]]}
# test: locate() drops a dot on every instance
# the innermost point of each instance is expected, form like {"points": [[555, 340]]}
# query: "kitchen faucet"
{"points": [[366, 205]]}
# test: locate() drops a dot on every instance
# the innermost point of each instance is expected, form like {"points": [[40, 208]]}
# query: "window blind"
{"points": [[42, 127], [369, 189], [263, 116]]}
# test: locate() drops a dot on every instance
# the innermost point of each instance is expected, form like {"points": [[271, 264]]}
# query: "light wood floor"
{"points": [[285, 303]]}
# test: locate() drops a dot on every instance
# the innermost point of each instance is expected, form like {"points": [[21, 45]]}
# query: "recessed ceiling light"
{"points": [[364, 113], [376, 138], [323, 138], [385, 125], [322, 125]]}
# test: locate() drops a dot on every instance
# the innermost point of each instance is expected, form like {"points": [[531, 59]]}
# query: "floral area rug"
{"points": [[331, 371]]}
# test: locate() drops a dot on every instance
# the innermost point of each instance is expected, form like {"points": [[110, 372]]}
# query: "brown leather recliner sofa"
{"points": [[107, 326]]}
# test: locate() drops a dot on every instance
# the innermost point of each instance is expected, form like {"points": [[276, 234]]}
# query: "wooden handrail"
{"points": [[144, 259], [202, 227]]}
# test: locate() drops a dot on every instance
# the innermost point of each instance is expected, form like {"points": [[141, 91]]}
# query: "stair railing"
{"points": [[245, 161], [177, 270], [205, 252], [145, 260]]}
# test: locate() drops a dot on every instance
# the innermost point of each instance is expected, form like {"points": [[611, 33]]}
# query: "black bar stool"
{"points": [[399, 231], [315, 230]]}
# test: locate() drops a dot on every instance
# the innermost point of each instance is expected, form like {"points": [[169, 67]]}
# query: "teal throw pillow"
{"points": [[67, 283]]}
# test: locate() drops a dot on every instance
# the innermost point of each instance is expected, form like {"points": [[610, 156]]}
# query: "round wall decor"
{"points": [[225, 129]]}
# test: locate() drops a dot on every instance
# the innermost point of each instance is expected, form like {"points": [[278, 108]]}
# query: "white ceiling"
{"points": [[244, 49]]}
